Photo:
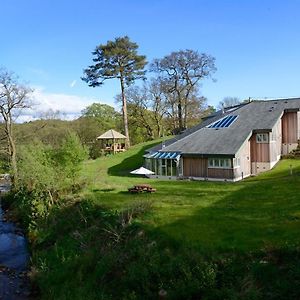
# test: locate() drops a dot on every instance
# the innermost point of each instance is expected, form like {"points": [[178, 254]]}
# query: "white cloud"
{"points": [[72, 84], [69, 106]]}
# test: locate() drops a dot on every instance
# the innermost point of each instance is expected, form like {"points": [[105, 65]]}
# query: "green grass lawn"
{"points": [[192, 239], [211, 216]]}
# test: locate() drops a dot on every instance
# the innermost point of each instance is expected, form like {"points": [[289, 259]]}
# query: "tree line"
{"points": [[44, 157], [169, 100], [166, 101]]}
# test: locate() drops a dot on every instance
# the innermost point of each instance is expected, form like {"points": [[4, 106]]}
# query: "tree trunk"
{"points": [[180, 123], [14, 162], [186, 104], [124, 111], [11, 149], [185, 113], [158, 125], [174, 117], [149, 131]]}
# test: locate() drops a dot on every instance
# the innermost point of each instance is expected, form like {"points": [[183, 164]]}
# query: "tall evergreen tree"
{"points": [[117, 59]]}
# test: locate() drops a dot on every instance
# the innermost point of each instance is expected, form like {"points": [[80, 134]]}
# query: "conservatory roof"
{"points": [[164, 155]]}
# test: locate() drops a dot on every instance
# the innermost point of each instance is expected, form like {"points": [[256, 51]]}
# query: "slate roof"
{"points": [[111, 134], [253, 116]]}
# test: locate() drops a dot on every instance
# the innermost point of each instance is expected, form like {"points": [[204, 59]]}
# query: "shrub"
{"points": [[46, 173], [67, 159]]}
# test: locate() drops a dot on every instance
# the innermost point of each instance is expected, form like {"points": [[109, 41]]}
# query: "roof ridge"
{"points": [[274, 99]]}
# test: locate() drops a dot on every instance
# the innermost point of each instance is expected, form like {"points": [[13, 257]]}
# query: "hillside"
{"points": [[189, 240], [216, 215]]}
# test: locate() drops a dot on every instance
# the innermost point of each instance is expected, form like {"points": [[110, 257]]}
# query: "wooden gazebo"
{"points": [[112, 141]]}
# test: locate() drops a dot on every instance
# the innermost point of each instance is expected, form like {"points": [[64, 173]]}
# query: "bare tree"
{"points": [[153, 108], [158, 104], [148, 107], [50, 114], [181, 72], [14, 97], [164, 105], [228, 102]]}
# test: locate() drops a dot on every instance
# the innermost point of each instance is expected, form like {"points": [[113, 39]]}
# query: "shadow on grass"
{"points": [[250, 231], [248, 240], [128, 164], [253, 234], [271, 175], [257, 214], [103, 190]]}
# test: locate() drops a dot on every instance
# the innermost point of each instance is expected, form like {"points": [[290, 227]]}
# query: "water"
{"points": [[13, 260]]}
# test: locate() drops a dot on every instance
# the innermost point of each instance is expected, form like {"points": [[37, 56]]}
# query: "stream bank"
{"points": [[14, 257]]}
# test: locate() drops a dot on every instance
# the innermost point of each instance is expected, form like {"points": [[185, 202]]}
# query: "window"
{"points": [[275, 135], [216, 163], [262, 138], [236, 162], [222, 163], [169, 167], [223, 123], [164, 167], [174, 167]]}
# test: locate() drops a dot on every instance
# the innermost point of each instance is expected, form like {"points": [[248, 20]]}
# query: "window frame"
{"points": [[229, 120], [219, 163], [262, 138], [236, 162]]}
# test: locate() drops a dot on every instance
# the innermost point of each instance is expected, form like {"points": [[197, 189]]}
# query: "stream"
{"points": [[14, 258]]}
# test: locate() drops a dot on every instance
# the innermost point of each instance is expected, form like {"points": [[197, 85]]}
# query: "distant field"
{"points": [[211, 216]]}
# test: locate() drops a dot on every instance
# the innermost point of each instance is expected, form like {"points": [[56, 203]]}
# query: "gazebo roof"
{"points": [[111, 134]]}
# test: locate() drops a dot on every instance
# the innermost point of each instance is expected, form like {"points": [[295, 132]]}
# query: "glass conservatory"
{"points": [[164, 163]]}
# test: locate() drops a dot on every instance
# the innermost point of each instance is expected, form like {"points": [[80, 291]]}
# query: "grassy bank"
{"points": [[189, 240], [209, 215]]}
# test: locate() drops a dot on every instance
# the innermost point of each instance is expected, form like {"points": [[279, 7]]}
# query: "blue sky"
{"points": [[48, 44]]}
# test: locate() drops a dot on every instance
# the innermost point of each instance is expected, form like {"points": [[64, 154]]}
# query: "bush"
{"points": [[92, 251], [67, 159], [46, 174]]}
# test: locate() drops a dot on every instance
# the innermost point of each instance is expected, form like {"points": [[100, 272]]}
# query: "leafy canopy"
{"points": [[44, 168], [105, 115], [69, 157], [116, 59]]}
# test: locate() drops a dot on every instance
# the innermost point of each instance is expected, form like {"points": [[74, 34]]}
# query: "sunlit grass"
{"points": [[195, 239], [246, 215]]}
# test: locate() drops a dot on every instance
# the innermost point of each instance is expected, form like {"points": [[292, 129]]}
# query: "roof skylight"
{"points": [[223, 123]]}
